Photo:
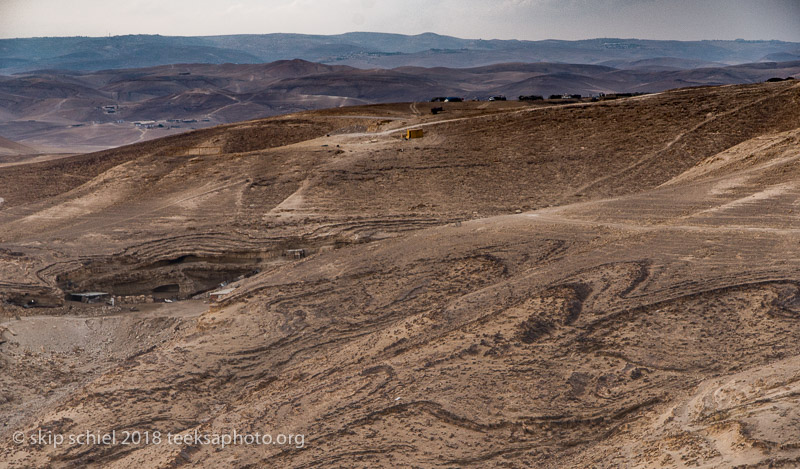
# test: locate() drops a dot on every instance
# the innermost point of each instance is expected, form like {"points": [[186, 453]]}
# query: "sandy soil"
{"points": [[598, 285]]}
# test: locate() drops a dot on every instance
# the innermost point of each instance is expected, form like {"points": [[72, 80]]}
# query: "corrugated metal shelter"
{"points": [[217, 295], [88, 297]]}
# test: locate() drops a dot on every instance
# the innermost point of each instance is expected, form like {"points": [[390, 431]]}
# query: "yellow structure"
{"points": [[414, 133]]}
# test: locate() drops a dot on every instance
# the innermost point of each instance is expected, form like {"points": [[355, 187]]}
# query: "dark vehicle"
{"points": [[533, 97], [497, 98], [436, 110]]}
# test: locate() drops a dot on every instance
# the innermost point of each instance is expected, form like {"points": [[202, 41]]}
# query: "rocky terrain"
{"points": [[604, 284]]}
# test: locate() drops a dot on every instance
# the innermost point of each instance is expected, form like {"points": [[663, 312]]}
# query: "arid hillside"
{"points": [[10, 149], [79, 112], [604, 284]]}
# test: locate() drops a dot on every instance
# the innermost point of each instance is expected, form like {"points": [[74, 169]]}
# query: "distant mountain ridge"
{"points": [[368, 50]]}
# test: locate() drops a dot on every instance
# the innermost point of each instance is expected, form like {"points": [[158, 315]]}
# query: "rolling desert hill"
{"points": [[10, 148], [74, 112], [528, 285], [669, 63]]}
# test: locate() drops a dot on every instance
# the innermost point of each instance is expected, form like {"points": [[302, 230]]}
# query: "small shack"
{"points": [[414, 133], [296, 253], [88, 297], [215, 296]]}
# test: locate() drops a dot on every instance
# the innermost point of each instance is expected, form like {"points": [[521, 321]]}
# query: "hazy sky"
{"points": [[501, 19]]}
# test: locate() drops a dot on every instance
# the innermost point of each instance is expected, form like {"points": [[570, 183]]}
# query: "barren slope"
{"points": [[62, 111], [597, 284]]}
